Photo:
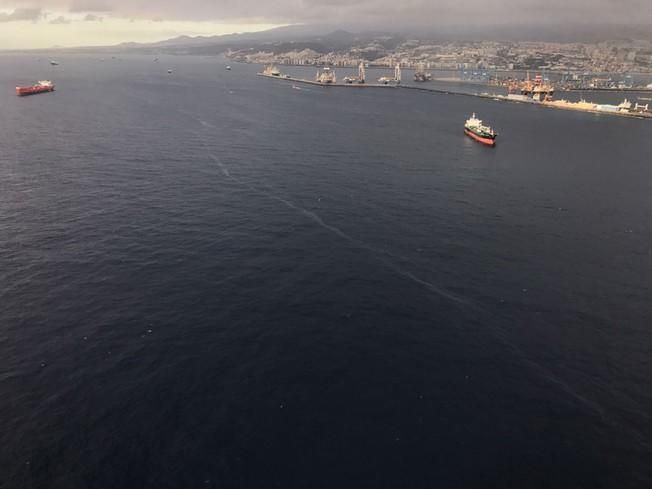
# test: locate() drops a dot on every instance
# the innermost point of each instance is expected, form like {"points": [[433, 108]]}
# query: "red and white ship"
{"points": [[474, 128], [40, 87]]}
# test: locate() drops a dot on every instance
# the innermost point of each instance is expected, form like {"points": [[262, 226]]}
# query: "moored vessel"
{"points": [[539, 89], [357, 79], [271, 70], [396, 80], [421, 75], [475, 129], [41, 86], [326, 76]]}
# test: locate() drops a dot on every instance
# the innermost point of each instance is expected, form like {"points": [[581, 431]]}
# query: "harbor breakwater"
{"points": [[582, 106]]}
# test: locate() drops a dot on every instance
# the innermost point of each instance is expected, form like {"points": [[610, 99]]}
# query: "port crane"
{"points": [[357, 79], [397, 76], [326, 76]]}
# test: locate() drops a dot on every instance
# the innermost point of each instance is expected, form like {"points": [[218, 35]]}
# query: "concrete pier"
{"points": [[494, 97], [312, 82]]}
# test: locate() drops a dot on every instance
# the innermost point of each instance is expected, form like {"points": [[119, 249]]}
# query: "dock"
{"points": [[561, 105], [313, 82]]}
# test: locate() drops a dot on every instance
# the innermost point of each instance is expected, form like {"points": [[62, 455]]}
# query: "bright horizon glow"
{"points": [[43, 34]]}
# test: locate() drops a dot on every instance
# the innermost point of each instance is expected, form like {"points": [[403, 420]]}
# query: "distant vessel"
{"points": [[478, 131], [326, 76], [54, 63], [421, 75], [357, 79], [271, 70], [40, 87], [169, 71], [228, 68], [386, 80]]}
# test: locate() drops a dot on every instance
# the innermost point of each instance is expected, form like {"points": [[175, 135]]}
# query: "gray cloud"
{"points": [[93, 18], [60, 20], [94, 5], [19, 14], [423, 12], [385, 13]]}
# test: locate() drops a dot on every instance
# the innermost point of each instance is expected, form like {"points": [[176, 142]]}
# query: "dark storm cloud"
{"points": [[422, 12], [60, 20], [93, 5], [361, 12], [18, 14]]}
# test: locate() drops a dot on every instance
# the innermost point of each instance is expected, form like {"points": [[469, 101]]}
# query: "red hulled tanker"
{"points": [[40, 87], [475, 129]]}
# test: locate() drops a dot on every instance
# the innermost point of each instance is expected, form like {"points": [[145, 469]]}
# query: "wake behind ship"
{"points": [[40, 87]]}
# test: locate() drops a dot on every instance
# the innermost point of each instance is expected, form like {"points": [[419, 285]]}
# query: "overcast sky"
{"points": [[43, 23]]}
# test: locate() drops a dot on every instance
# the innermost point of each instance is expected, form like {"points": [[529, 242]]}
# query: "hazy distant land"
{"points": [[613, 49]]}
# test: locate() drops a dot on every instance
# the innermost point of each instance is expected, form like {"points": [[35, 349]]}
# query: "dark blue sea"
{"points": [[210, 279]]}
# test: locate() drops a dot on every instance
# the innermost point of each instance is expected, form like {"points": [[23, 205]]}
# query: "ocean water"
{"points": [[211, 279]]}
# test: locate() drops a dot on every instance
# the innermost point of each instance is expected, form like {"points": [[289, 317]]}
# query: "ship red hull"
{"points": [[480, 139], [24, 91]]}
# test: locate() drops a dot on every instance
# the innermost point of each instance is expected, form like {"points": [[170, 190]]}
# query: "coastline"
{"points": [[312, 82], [586, 107]]}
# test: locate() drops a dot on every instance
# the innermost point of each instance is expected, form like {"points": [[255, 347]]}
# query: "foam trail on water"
{"points": [[224, 169], [382, 256], [197, 119], [363, 245], [338, 232], [498, 334], [207, 124]]}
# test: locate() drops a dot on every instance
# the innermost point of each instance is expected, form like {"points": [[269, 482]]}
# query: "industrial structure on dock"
{"points": [[420, 73], [271, 70], [326, 76], [538, 91], [361, 78], [395, 80]]}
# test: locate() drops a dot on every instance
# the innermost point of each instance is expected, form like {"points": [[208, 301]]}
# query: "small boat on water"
{"points": [[42, 86], [475, 129], [54, 63], [170, 71], [228, 68]]}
